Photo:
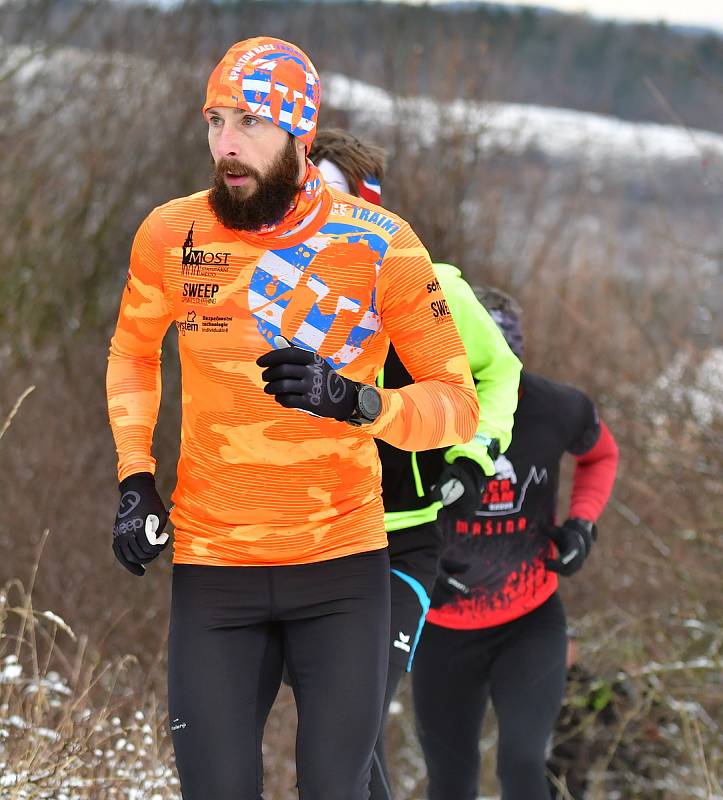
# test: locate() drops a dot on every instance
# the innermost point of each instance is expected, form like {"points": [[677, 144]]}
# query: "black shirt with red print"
{"points": [[500, 551]]}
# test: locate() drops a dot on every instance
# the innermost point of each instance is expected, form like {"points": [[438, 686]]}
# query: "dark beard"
{"points": [[273, 196]]}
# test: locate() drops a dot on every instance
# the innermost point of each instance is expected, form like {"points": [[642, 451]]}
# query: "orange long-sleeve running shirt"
{"points": [[259, 484]]}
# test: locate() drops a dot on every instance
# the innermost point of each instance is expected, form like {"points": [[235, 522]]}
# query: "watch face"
{"points": [[370, 403]]}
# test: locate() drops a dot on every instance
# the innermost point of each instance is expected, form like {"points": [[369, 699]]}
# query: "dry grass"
{"points": [[74, 726]]}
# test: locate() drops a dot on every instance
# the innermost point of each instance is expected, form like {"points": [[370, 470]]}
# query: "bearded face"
{"points": [[246, 199]]}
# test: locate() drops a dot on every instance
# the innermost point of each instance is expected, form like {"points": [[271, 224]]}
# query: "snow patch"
{"points": [[517, 127]]}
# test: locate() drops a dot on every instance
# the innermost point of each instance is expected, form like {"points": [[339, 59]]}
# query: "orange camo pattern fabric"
{"points": [[272, 79], [259, 484]]}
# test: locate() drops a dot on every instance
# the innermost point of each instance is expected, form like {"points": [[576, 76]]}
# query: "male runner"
{"points": [[286, 297], [415, 486], [497, 627]]}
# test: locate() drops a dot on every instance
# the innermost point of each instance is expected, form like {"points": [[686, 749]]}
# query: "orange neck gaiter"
{"points": [[303, 219]]}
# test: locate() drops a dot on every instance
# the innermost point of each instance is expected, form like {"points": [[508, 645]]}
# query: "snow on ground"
{"points": [[125, 753]]}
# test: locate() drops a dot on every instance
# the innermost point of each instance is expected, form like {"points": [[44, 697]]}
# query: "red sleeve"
{"points": [[594, 477]]}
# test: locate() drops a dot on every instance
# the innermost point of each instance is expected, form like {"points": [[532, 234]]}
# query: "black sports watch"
{"points": [[368, 405]]}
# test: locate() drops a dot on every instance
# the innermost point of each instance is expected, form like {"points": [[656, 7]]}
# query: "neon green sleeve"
{"points": [[494, 366]]}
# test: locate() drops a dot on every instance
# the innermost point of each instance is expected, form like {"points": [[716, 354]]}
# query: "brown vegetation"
{"points": [[615, 297]]}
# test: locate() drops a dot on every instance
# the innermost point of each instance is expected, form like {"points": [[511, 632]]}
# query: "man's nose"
{"points": [[229, 144]]}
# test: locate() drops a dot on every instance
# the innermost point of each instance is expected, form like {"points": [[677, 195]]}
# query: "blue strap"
{"points": [[424, 602]]}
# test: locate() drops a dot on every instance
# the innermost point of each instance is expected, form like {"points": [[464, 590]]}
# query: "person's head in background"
{"points": [[506, 313], [348, 164]]}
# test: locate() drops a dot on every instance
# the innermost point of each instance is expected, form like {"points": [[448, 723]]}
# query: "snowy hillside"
{"points": [[558, 132]]}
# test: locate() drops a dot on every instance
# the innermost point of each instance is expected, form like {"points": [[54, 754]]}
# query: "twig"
{"points": [[28, 605], [665, 103], [653, 668], [627, 513], [14, 411]]}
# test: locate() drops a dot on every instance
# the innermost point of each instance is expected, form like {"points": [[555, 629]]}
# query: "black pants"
{"points": [[413, 554], [231, 630], [521, 666]]}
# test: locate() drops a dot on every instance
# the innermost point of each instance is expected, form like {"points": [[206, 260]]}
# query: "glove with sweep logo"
{"points": [[138, 531], [300, 379], [459, 487]]}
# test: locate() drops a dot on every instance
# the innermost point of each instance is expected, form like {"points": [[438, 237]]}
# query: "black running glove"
{"points": [[138, 531], [459, 487], [574, 541], [300, 379], [448, 585]]}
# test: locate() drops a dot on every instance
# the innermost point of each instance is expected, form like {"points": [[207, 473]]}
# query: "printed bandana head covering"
{"points": [[270, 78], [509, 323]]}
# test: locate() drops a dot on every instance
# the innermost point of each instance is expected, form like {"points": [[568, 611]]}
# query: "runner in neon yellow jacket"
{"points": [[415, 486], [407, 479]]}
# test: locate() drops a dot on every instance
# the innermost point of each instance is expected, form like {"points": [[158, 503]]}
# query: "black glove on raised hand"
{"points": [[138, 531], [300, 379], [448, 586], [574, 541], [459, 487]]}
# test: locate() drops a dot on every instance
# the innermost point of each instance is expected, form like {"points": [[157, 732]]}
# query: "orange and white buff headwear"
{"points": [[272, 79]]}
